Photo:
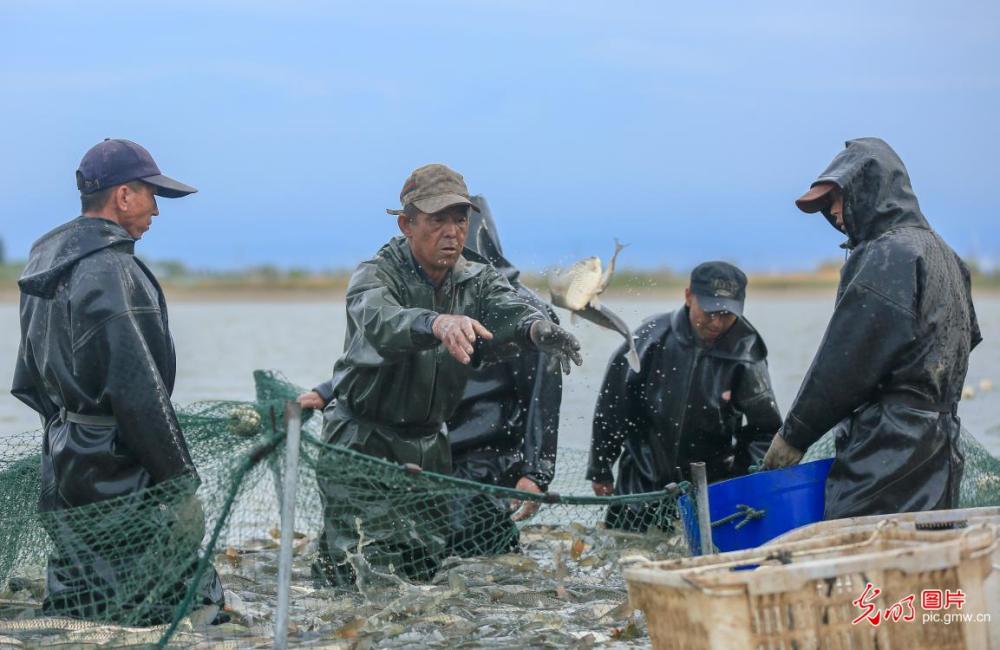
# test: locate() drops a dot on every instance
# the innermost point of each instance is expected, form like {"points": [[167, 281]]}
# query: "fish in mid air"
{"points": [[577, 289]]}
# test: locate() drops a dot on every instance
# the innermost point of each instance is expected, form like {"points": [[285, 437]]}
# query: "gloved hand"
{"points": [[556, 342], [781, 454]]}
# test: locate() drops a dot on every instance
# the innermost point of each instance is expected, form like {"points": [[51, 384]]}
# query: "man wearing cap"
{"points": [[96, 361], [420, 316], [894, 357], [703, 394], [505, 429]]}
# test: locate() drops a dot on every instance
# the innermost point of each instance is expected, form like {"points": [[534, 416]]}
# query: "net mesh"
{"points": [[421, 559], [427, 559]]}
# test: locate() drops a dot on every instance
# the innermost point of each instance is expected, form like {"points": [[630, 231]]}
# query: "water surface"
{"points": [[220, 344]]}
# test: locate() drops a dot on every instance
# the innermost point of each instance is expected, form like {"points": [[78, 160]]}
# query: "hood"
{"points": [[484, 239], [55, 253], [876, 190]]}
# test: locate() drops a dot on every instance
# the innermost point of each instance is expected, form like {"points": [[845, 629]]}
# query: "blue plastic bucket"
{"points": [[789, 498]]}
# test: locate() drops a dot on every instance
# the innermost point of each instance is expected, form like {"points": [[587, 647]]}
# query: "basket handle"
{"points": [[991, 547]]}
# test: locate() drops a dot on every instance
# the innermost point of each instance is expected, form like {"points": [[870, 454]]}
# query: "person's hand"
{"points": [[556, 342], [458, 333], [603, 489], [781, 454], [527, 508], [311, 400]]}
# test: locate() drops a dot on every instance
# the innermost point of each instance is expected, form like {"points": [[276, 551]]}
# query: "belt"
{"points": [[911, 400], [489, 452], [401, 430], [89, 420]]}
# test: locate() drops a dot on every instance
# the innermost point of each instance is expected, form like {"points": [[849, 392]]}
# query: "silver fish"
{"points": [[577, 289]]}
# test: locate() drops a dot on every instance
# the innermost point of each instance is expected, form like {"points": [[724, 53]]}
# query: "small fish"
{"points": [[627, 633], [577, 289], [624, 610], [46, 624], [202, 616], [351, 629]]}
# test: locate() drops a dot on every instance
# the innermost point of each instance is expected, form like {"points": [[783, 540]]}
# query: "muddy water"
{"points": [[219, 345]]}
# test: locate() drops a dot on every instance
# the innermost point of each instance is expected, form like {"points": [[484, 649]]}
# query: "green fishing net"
{"points": [[980, 479], [381, 553]]}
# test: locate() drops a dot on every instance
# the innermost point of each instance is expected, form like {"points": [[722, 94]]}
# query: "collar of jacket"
{"points": [[57, 251], [740, 343], [498, 262], [398, 249]]}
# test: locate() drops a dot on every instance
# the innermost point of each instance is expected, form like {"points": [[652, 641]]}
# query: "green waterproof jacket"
{"points": [[394, 372]]}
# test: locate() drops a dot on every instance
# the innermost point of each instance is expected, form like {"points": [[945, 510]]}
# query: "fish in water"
{"points": [[577, 289]]}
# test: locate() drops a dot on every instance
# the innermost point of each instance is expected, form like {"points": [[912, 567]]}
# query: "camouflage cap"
{"points": [[433, 188]]}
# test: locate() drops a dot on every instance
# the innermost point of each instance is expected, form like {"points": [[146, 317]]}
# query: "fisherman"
{"points": [[505, 430], [895, 353], [420, 317], [96, 361], [703, 393]]}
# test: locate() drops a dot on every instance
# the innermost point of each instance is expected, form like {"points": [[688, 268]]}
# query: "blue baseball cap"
{"points": [[114, 162], [720, 286]]}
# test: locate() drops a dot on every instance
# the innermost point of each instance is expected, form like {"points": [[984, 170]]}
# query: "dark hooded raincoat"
{"points": [[394, 388], [673, 413], [507, 424], [95, 341], [895, 353]]}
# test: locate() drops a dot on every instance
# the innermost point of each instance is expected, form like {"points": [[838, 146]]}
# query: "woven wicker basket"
{"points": [[800, 594], [931, 520]]}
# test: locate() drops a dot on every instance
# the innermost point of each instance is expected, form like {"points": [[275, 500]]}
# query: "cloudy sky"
{"points": [[686, 129]]}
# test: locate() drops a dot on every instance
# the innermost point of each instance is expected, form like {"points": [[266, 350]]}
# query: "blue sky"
{"points": [[686, 129]]}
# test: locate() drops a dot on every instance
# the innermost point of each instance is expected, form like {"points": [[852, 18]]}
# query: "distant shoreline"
{"points": [[318, 295], [321, 289]]}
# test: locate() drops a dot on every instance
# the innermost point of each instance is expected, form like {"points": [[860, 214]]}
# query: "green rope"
{"points": [[747, 512], [672, 491]]}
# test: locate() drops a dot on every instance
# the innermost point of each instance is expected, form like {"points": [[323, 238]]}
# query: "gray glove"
{"points": [[781, 454], [556, 342]]}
